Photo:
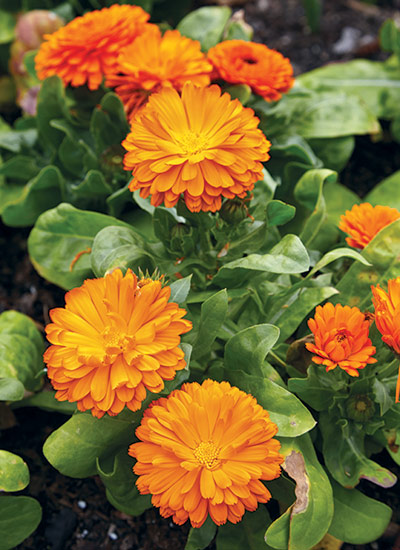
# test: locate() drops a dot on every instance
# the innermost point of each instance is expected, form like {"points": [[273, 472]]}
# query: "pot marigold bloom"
{"points": [[387, 317], [152, 62], [203, 145], [341, 338], [87, 48], [364, 221], [266, 71], [204, 450], [116, 337]]}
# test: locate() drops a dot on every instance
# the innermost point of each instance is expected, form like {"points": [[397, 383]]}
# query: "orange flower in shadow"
{"points": [[116, 338], [341, 338], [87, 48], [387, 317], [202, 145], [204, 450], [266, 71], [364, 221], [152, 62]]}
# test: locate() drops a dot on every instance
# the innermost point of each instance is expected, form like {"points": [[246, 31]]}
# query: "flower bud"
{"points": [[233, 211], [360, 408]]}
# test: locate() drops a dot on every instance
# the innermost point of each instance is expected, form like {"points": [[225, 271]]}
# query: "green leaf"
{"points": [[14, 473], [336, 254], [20, 167], [288, 413], [316, 390], [334, 152], [7, 26], [117, 476], [200, 537], [383, 253], [93, 186], [306, 522], [56, 239], [313, 9], [119, 247], [74, 447], [20, 355], [248, 534], [213, 313], [376, 83], [180, 289], [357, 519], [242, 92], [108, 125], [279, 213], [46, 401], [21, 205], [288, 256], [338, 199], [247, 349], [205, 25], [19, 517], [51, 105], [389, 36], [11, 389], [345, 458], [386, 193], [382, 395]]}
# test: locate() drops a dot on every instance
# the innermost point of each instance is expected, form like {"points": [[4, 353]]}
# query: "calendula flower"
{"points": [[387, 317], [152, 62], [341, 338], [116, 337], [364, 221], [202, 145], [86, 49], [266, 71], [204, 450]]}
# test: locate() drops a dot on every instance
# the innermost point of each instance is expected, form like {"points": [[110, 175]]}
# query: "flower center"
{"points": [[192, 143], [250, 60], [206, 454], [342, 335], [116, 342]]}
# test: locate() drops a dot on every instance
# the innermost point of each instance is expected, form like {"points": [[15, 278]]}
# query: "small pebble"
{"points": [[82, 535], [82, 504]]}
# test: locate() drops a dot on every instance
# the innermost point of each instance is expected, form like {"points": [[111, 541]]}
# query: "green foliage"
{"points": [[19, 517], [206, 25]]}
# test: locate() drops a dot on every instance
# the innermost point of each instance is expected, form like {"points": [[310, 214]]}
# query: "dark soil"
{"points": [[76, 513]]}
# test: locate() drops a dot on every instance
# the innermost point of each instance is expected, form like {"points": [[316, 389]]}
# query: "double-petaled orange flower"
{"points": [[341, 338], [364, 221], [152, 62], [387, 317], [266, 71], [204, 450], [202, 145], [86, 49], [116, 337]]}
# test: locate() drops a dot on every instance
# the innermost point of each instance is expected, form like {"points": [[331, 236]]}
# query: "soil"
{"points": [[76, 513]]}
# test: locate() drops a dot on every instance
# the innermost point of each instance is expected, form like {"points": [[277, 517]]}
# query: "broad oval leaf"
{"points": [[57, 239], [200, 537], [14, 473], [213, 313], [180, 290], [306, 522], [19, 517], [357, 519], [248, 534], [205, 25], [119, 247], [247, 349], [288, 256]]}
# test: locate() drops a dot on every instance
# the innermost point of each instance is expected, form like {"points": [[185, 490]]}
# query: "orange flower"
{"points": [[87, 48], [153, 62], [202, 145], [341, 338], [364, 221], [387, 318], [266, 71], [115, 338], [204, 451]]}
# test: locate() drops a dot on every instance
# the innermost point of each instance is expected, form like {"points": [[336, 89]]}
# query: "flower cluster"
{"points": [[116, 338], [204, 451]]}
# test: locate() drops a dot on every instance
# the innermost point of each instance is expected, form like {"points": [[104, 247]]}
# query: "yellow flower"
{"points": [[202, 145], [204, 450], [115, 339]]}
